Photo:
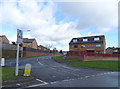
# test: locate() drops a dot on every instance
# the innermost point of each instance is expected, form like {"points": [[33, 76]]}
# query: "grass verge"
{"points": [[106, 65], [71, 60], [8, 77], [8, 73], [58, 58]]}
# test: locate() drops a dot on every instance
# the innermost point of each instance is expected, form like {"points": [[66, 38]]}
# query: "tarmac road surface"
{"points": [[49, 73]]}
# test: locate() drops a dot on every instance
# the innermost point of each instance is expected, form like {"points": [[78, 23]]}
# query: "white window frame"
{"points": [[83, 46], [96, 39], [75, 45], [85, 40], [75, 40], [98, 45]]}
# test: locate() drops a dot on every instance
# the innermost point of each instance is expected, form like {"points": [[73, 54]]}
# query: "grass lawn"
{"points": [[8, 77], [71, 60], [9, 73], [58, 58], [106, 65]]}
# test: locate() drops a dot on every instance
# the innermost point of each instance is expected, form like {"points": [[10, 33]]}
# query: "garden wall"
{"points": [[87, 56]]}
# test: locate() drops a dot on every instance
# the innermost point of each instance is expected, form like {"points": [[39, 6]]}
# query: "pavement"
{"points": [[49, 73]]}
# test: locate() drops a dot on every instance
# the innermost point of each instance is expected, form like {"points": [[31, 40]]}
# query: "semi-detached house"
{"points": [[31, 43]]}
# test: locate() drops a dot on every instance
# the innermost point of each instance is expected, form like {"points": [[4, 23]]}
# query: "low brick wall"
{"points": [[81, 58], [92, 58], [10, 54], [29, 54], [85, 56]]}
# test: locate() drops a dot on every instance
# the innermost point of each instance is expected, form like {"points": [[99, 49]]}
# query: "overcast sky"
{"points": [[56, 23]]}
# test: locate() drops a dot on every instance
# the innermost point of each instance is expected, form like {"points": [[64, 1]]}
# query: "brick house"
{"points": [[113, 50], [95, 44], [4, 39], [41, 47], [32, 43]]}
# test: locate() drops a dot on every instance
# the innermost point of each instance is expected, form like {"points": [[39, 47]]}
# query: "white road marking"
{"points": [[39, 62], [53, 82], [36, 85], [42, 81], [87, 76], [93, 75], [18, 84]]}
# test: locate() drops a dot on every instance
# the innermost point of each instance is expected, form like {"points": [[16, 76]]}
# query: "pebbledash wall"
{"points": [[88, 56]]}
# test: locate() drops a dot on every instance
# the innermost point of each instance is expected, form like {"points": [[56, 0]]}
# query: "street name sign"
{"points": [[19, 36]]}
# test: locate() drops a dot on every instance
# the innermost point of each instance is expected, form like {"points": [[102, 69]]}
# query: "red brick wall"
{"points": [[29, 53], [92, 56]]}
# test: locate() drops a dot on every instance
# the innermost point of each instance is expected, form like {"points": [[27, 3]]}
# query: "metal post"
{"points": [[17, 60]]}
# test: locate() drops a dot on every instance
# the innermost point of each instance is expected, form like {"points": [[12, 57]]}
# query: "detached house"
{"points": [[31, 43], [95, 44], [113, 50], [4, 39]]}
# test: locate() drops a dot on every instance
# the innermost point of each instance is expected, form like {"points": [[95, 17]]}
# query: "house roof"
{"points": [[26, 40], [114, 48], [42, 46], [90, 39], [2, 36]]}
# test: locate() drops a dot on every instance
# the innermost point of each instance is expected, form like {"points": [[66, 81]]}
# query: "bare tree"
{"points": [[49, 46]]}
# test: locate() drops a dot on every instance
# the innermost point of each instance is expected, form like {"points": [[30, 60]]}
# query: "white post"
{"points": [[2, 61], [17, 60]]}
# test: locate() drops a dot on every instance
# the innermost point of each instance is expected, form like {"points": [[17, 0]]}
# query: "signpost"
{"points": [[19, 40]]}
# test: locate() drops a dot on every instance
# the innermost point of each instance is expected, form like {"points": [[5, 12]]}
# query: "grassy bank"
{"points": [[58, 58], [9, 73], [106, 65], [8, 77]]}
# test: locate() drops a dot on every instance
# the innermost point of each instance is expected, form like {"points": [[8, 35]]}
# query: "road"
{"points": [[49, 73]]}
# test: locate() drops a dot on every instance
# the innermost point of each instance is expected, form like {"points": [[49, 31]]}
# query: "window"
{"points": [[85, 40], [82, 46], [90, 45], [29, 44], [98, 45], [75, 46], [98, 51], [75, 40], [115, 50], [96, 39]]}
